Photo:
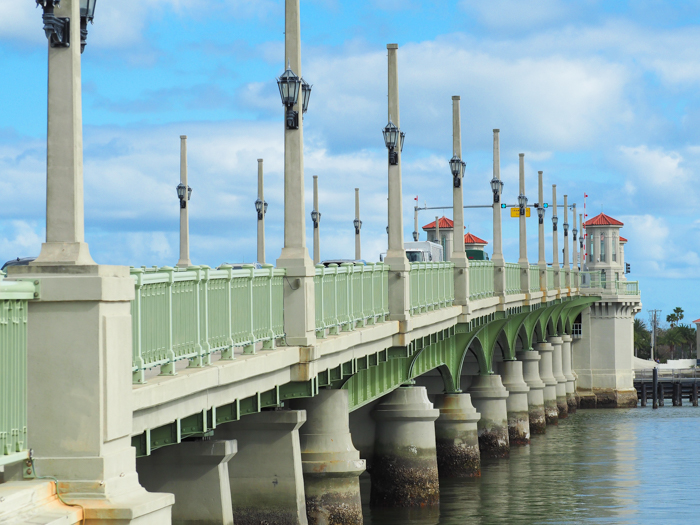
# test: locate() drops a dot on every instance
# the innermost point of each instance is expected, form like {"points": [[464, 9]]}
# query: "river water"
{"points": [[617, 467]]}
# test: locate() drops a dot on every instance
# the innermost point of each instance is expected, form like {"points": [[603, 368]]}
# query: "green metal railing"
{"points": [[481, 279], [512, 278], [192, 313], [350, 295], [534, 278], [550, 278], [431, 286], [627, 287], [13, 369]]}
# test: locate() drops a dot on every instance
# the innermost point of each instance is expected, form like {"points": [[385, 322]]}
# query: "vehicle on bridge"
{"points": [[421, 251]]}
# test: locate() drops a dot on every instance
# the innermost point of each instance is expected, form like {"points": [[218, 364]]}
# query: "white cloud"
{"points": [[513, 14]]}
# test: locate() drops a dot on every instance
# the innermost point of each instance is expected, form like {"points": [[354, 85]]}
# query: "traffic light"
{"points": [[503, 205], [627, 267]]}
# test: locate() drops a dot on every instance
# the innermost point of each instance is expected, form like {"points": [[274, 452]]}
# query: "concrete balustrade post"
{"points": [[299, 305], [566, 357], [489, 398], [535, 396], [522, 260], [399, 267], [551, 411], [517, 403], [557, 371], [457, 437], [266, 477], [330, 462], [541, 260], [499, 264], [458, 255], [197, 473], [404, 468]]}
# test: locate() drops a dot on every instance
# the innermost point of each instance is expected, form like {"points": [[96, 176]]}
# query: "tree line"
{"points": [[673, 341]]}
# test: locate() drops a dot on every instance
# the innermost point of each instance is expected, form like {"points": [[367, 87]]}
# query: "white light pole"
{"points": [[261, 209], [555, 242], [457, 167], [316, 219], [567, 268], [541, 261], [357, 223], [522, 203], [497, 189], [183, 193]]}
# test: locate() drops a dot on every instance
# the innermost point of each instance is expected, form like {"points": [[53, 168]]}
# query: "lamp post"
{"points": [[357, 223], [261, 209], [399, 301], [567, 268], [299, 307], [316, 219], [574, 258], [541, 260], [522, 203], [415, 223], [497, 187], [437, 232], [458, 167], [184, 193], [582, 253], [555, 242]]}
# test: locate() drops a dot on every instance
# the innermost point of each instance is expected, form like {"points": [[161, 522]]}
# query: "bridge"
{"points": [[261, 394]]}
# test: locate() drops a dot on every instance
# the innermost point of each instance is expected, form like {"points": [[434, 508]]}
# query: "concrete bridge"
{"points": [[261, 395]]}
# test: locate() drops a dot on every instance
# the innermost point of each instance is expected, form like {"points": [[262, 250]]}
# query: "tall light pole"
{"points": [[299, 307], [574, 258], [522, 204], [399, 300], [316, 219], [357, 223], [555, 241], [457, 167], [567, 268], [582, 254], [497, 189], [184, 193], [437, 233], [415, 223], [261, 209], [541, 260]]}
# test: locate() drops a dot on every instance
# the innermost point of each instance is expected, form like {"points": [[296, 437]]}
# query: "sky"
{"points": [[602, 96]]}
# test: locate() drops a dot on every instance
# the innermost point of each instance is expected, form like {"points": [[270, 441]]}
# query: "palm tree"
{"points": [[675, 317], [687, 334], [672, 337], [642, 339]]}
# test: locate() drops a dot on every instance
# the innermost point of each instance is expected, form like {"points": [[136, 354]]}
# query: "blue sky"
{"points": [[601, 96]]}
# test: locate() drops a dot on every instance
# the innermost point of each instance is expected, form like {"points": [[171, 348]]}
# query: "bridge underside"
{"points": [[372, 376]]}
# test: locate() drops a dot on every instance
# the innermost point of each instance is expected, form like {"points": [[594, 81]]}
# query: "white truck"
{"points": [[421, 251]]}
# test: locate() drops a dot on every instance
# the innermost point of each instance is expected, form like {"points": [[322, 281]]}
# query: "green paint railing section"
{"points": [[627, 287], [512, 278], [550, 278], [191, 313], [595, 281], [534, 278], [350, 295], [431, 286], [13, 369], [481, 279]]}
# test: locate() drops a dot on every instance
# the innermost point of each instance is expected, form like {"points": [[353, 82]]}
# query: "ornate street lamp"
{"points": [[357, 223], [261, 208], [575, 232], [522, 202], [305, 95], [555, 220], [566, 229], [184, 194], [315, 217], [540, 214], [456, 169], [289, 84], [391, 140], [57, 29], [87, 14], [402, 136], [415, 236], [496, 188]]}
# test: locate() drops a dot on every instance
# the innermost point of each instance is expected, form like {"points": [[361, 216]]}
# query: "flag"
{"points": [[585, 195]]}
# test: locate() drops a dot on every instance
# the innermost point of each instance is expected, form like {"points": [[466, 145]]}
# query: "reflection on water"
{"points": [[599, 466]]}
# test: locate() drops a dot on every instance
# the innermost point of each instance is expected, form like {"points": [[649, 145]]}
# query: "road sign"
{"points": [[515, 212]]}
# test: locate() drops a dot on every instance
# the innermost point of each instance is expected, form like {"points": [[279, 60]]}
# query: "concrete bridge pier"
{"points": [[517, 403], [551, 411], [266, 479], [568, 373], [489, 398], [535, 396], [330, 463], [558, 373], [457, 437], [405, 468], [196, 472]]}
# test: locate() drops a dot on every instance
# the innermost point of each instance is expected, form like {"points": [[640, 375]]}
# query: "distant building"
{"points": [[446, 227], [472, 242]]}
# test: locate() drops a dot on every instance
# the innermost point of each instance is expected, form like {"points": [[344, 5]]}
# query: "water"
{"points": [[598, 466]]}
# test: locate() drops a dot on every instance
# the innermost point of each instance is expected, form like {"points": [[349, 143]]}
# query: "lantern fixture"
{"points": [[184, 193], [415, 236], [305, 95], [464, 168], [496, 188], [566, 229], [391, 140], [540, 214], [402, 136], [315, 217], [522, 202], [87, 14], [555, 220], [289, 84], [575, 232], [57, 29], [456, 169], [261, 208], [357, 223], [387, 230]]}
